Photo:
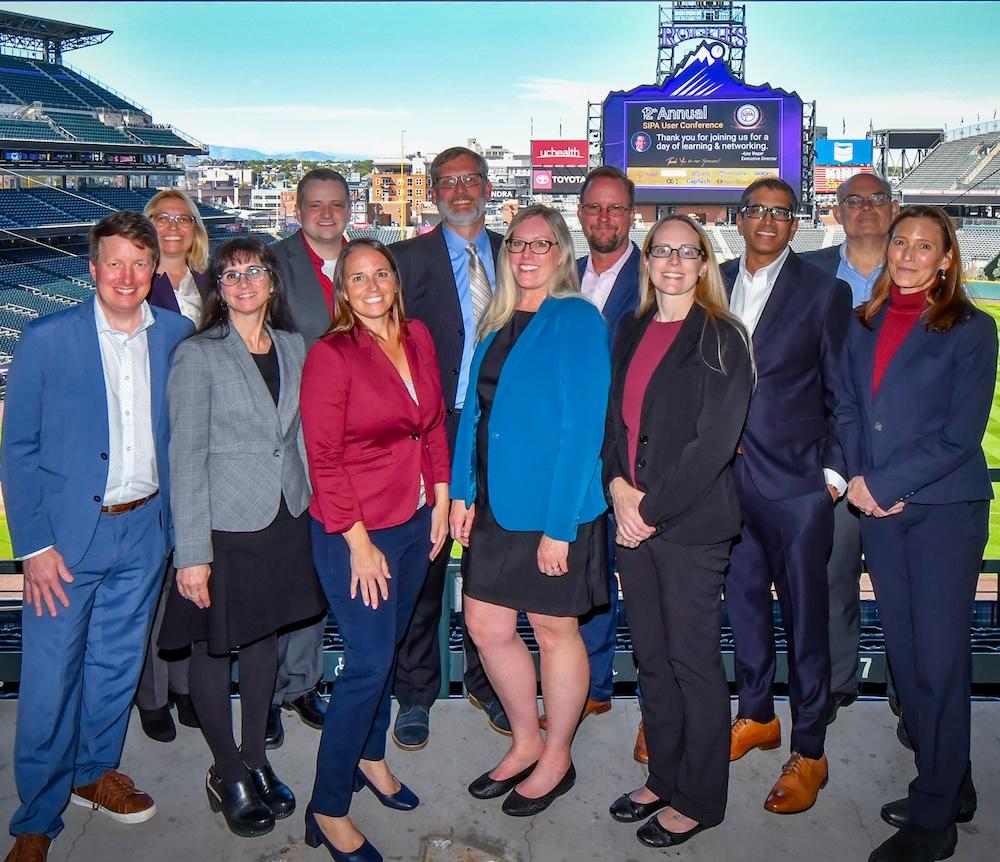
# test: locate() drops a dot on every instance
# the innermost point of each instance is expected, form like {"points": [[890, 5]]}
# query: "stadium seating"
{"points": [[17, 299], [27, 130], [65, 290], [78, 210], [55, 86], [84, 127], [979, 243], [24, 210], [949, 163], [158, 137]]}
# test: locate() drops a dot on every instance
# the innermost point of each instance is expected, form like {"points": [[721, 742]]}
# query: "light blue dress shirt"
{"points": [[861, 286], [460, 267]]}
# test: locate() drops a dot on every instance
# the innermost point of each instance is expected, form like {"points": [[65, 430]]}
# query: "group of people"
{"points": [[213, 453]]}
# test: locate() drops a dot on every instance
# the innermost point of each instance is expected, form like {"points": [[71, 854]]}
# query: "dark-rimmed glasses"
{"points": [[684, 252], [537, 246], [759, 211]]}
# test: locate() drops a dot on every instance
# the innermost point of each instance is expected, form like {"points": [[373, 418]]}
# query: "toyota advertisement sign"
{"points": [[557, 181]]}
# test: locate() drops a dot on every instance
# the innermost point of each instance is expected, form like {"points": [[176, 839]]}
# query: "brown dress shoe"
{"points": [[747, 734], [591, 707], [798, 785], [29, 848], [640, 753], [114, 794]]}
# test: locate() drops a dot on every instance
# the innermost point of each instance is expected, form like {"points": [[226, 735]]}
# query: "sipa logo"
{"points": [[748, 116]]}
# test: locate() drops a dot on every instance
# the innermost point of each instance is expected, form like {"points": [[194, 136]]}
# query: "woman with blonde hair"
{"points": [[179, 284], [527, 500], [681, 385]]}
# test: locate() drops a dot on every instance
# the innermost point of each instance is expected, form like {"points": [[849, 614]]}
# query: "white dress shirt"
{"points": [[750, 295], [189, 298], [132, 450], [597, 286]]}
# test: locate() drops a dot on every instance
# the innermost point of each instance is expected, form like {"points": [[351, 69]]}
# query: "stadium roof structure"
{"points": [[46, 36]]}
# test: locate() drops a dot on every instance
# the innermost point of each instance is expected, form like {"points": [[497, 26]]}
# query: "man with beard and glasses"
{"points": [[609, 278], [447, 277]]}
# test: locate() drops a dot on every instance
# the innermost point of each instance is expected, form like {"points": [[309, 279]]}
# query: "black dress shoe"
{"points": [[310, 707], [274, 793], [912, 844], [652, 834], [185, 709], [275, 733], [158, 724], [517, 805], [837, 700], [485, 787], [626, 810], [246, 813], [898, 813]]}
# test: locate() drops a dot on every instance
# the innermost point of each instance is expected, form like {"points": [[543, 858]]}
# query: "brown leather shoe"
{"points": [[747, 734], [640, 752], [29, 848], [591, 707], [800, 781], [114, 794]]}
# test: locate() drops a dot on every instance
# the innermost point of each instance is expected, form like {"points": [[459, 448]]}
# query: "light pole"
{"points": [[402, 185]]}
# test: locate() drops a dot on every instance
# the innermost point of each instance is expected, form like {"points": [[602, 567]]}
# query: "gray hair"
{"points": [[882, 181], [452, 153]]}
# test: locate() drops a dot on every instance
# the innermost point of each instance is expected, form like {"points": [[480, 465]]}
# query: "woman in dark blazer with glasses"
{"points": [[681, 385]]}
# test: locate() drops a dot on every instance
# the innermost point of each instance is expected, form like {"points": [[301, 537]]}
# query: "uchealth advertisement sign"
{"points": [[559, 153], [557, 181]]}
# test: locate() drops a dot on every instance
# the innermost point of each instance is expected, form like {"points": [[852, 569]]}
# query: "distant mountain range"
{"points": [[241, 154]]}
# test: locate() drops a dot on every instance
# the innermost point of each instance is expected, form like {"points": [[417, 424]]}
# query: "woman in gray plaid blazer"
{"points": [[243, 555]]}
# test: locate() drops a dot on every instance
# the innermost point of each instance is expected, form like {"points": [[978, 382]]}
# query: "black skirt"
{"points": [[502, 566]]}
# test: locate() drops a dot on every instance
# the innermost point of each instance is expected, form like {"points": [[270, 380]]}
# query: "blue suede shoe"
{"points": [[412, 727]]}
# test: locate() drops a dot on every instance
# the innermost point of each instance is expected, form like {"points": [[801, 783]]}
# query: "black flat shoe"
{"points": [[912, 844], [652, 834], [185, 709], [273, 792], [898, 813], [275, 733], [310, 707], [517, 805], [626, 810], [158, 724], [314, 837], [403, 799], [246, 813], [485, 787]]}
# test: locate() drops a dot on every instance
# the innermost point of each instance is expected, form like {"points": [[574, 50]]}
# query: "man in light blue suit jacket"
{"points": [[85, 477]]}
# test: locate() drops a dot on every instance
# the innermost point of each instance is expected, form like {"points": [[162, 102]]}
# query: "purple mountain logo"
{"points": [[703, 72]]}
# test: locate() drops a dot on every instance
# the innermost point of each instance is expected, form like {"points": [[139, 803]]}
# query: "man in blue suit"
{"points": [[86, 482], [789, 472], [609, 278]]}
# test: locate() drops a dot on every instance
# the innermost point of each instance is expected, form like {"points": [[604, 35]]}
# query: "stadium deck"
{"points": [[867, 768]]}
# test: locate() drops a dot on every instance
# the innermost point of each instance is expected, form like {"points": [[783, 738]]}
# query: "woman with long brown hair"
{"points": [[681, 385], [919, 372], [373, 417]]}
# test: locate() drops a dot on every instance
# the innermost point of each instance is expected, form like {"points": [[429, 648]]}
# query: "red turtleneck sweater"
{"points": [[902, 315]]}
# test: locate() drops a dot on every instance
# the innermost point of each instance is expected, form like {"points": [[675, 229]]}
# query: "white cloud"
{"points": [[564, 91], [303, 112]]}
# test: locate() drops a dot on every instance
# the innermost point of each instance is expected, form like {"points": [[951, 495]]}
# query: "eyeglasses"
{"points": [[684, 252], [613, 211], [537, 246], [253, 274], [855, 202], [163, 219], [470, 181], [759, 211]]}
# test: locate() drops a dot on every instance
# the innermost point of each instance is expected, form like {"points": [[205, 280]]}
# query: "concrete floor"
{"points": [[867, 767]]}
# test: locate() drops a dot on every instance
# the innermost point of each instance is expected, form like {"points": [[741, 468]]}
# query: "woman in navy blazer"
{"points": [[180, 283], [373, 417], [528, 504], [920, 369]]}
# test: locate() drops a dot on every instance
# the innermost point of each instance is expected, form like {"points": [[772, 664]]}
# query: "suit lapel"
{"points": [[530, 335], [251, 373], [156, 346], [305, 283], [625, 286], [91, 363], [780, 298], [288, 390], [384, 364], [685, 343], [916, 340]]}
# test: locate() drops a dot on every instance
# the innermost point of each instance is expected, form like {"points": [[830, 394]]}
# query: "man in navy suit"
{"points": [[447, 276], [609, 278], [86, 482], [789, 473], [865, 208]]}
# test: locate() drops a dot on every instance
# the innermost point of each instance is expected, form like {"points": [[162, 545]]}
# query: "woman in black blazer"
{"points": [[920, 367], [682, 379]]}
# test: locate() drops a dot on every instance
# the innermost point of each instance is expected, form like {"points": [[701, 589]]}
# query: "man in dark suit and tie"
{"points": [[789, 473], [609, 278], [306, 261], [865, 208], [447, 277], [86, 482]]}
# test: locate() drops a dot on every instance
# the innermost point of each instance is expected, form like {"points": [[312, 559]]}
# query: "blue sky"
{"points": [[351, 77]]}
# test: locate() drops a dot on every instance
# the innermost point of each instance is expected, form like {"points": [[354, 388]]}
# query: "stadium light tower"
{"points": [[692, 21]]}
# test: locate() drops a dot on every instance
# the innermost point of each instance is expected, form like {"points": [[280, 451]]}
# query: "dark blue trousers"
{"points": [[786, 542], [924, 564], [358, 716], [599, 630], [80, 669]]}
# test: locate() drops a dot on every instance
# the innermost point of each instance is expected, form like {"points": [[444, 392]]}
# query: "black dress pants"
{"points": [[673, 596]]}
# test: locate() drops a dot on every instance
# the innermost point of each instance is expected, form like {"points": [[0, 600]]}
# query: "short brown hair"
{"points": [[322, 175], [452, 153], [133, 226], [609, 172]]}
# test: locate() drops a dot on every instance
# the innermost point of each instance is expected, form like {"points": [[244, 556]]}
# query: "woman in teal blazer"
{"points": [[527, 499]]}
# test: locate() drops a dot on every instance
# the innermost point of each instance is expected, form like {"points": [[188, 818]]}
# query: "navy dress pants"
{"points": [[357, 718], [924, 564], [786, 542]]}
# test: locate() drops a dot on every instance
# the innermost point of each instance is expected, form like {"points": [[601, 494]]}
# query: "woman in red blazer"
{"points": [[372, 414]]}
